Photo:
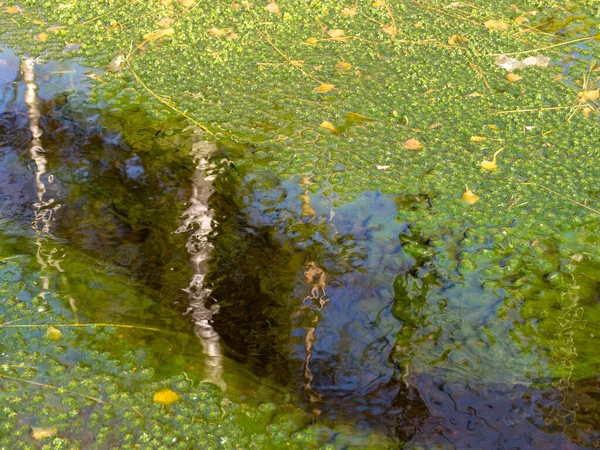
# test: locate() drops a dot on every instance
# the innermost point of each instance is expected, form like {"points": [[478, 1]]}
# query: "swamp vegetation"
{"points": [[391, 210]]}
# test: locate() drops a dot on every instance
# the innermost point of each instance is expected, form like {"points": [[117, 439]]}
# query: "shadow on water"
{"points": [[370, 322]]}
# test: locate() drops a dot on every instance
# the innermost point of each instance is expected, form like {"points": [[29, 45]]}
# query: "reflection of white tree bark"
{"points": [[46, 206], [199, 218]]}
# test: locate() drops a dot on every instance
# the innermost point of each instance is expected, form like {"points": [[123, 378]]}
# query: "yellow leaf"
{"points": [[349, 12], [312, 41], [57, 28], [519, 20], [13, 9], [42, 36], [589, 95], [273, 8], [587, 111], [389, 29], [158, 34], [297, 63], [54, 334], [433, 125], [418, 25], [478, 139], [35, 21], [218, 31], [166, 22], [187, 3], [321, 89], [343, 65], [336, 34], [490, 165], [494, 24], [493, 126], [328, 126], [165, 397], [233, 36], [41, 433], [474, 94], [377, 4], [412, 144], [457, 40], [513, 77], [469, 197]]}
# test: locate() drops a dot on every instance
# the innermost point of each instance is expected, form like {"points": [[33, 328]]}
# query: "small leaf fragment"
{"points": [[478, 139], [433, 125], [519, 20], [457, 40], [589, 95], [42, 36], [490, 165], [158, 34], [165, 397], [412, 144], [54, 334], [40, 433], [494, 24], [343, 65], [513, 77], [312, 41], [218, 31], [273, 8], [323, 88], [57, 28], [377, 4], [328, 126], [389, 29], [13, 9], [349, 12], [470, 197], [336, 34]]}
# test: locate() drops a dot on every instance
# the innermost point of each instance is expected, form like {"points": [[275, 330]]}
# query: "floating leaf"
{"points": [[187, 3], [389, 29], [54, 334], [166, 22], [378, 4], [412, 144], [433, 125], [41, 433], [478, 139], [322, 88], [42, 36], [519, 20], [273, 8], [13, 9], [312, 41], [511, 64], [158, 34], [336, 34], [218, 31], [494, 24], [513, 77], [343, 65], [490, 165], [470, 197], [349, 12], [457, 40], [328, 126], [589, 95], [165, 397], [474, 94], [57, 28]]}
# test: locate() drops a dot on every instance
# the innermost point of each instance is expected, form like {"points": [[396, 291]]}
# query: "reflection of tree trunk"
{"points": [[46, 206], [199, 249]]}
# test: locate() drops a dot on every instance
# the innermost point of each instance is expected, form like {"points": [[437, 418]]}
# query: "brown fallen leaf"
{"points": [[349, 12], [158, 34], [470, 197], [42, 36], [40, 433], [389, 29], [165, 397], [478, 139], [328, 126], [336, 34], [412, 144], [323, 88], [494, 24], [519, 20], [343, 65], [273, 8], [589, 95], [513, 77], [457, 40]]}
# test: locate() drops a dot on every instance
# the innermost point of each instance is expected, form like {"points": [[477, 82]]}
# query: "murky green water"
{"points": [[341, 315]]}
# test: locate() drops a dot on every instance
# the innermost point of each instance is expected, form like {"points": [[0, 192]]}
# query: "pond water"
{"points": [[351, 309]]}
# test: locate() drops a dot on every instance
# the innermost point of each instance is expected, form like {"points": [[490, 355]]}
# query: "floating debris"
{"points": [[511, 64]]}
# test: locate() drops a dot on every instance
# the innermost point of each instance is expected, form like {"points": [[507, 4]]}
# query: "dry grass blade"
{"points": [[539, 49], [49, 386], [575, 202], [81, 325]]}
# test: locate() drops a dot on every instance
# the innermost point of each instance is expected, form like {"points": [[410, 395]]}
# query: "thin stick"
{"points": [[52, 387], [563, 196], [167, 103], [546, 47], [266, 38], [82, 325]]}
